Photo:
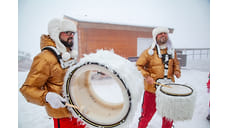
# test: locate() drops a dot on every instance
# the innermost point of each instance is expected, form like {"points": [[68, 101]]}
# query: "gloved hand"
{"points": [[55, 100]]}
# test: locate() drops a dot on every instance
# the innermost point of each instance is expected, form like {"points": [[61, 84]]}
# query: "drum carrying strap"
{"points": [[165, 60], [63, 64]]}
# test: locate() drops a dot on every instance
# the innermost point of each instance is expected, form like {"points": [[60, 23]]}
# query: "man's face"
{"points": [[162, 38], [67, 38]]}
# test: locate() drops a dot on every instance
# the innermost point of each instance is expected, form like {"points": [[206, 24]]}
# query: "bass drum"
{"points": [[106, 88]]}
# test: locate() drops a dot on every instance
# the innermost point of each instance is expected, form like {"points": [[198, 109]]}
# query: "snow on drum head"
{"points": [[177, 90], [101, 91], [175, 103]]}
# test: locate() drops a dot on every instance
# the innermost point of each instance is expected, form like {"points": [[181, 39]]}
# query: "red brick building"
{"points": [[122, 39]]}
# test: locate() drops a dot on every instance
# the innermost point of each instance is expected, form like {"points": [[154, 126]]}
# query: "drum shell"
{"points": [[177, 108]]}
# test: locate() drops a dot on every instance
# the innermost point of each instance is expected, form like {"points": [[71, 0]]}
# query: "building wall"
{"points": [[121, 38], [123, 42]]}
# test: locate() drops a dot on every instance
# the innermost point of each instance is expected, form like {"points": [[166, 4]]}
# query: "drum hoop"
{"points": [[81, 115], [174, 94]]}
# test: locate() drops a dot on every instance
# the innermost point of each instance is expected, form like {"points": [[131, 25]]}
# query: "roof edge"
{"points": [[84, 23]]}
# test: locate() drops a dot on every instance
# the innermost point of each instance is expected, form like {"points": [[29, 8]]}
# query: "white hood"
{"points": [[55, 26], [155, 32]]}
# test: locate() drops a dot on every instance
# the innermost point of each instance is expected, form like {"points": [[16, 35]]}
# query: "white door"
{"points": [[143, 44]]}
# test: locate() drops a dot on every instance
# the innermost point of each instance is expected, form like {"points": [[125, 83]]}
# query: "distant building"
{"points": [[24, 61], [126, 40]]}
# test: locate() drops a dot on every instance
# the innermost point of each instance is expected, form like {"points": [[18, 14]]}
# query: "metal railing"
{"points": [[194, 53]]}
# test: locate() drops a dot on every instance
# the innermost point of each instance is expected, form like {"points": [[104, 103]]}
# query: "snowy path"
{"points": [[33, 116]]}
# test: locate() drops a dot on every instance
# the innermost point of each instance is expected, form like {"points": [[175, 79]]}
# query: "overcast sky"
{"points": [[189, 18]]}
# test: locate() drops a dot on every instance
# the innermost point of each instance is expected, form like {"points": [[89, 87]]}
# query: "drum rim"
{"points": [[173, 94], [80, 114]]}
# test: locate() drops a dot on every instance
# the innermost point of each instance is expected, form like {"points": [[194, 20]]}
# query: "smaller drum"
{"points": [[176, 103]]}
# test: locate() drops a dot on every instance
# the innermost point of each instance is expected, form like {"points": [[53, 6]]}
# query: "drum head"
{"points": [[93, 89], [177, 90]]}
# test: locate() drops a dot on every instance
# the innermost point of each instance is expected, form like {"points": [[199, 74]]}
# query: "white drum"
{"points": [[106, 88], [175, 103]]}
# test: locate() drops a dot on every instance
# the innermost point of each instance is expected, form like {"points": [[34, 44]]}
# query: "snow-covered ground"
{"points": [[194, 74]]}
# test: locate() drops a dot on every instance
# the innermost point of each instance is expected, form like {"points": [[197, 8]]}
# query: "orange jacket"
{"points": [[46, 75], [152, 65]]}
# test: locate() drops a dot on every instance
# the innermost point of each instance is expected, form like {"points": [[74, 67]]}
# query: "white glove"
{"points": [[55, 100]]}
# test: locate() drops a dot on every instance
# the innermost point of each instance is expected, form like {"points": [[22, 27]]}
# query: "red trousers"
{"points": [[68, 123], [148, 110]]}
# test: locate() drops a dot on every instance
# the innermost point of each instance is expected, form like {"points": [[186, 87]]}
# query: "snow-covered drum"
{"points": [[175, 102], [104, 87]]}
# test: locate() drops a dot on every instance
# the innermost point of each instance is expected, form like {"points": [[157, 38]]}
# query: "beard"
{"points": [[162, 40], [69, 43]]}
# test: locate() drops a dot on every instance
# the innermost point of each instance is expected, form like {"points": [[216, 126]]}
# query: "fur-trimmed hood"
{"points": [[55, 27]]}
